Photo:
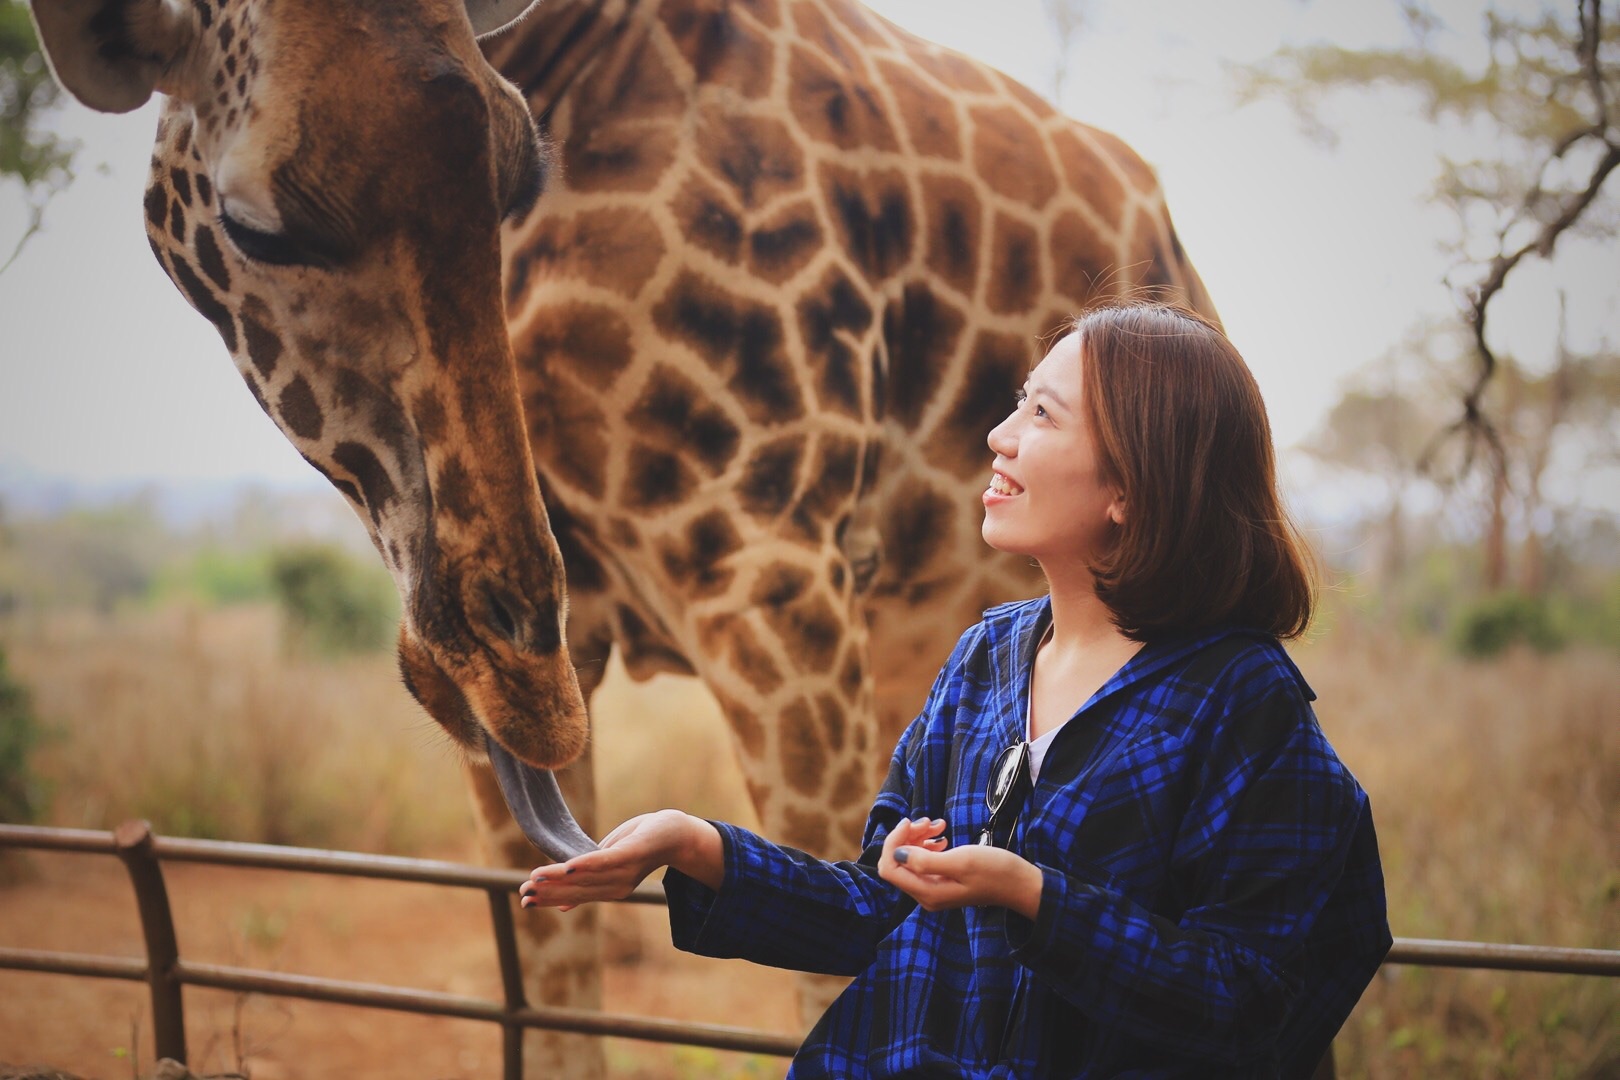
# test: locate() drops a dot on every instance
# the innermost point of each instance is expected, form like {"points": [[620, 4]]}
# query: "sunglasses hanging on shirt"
{"points": [[1009, 785]]}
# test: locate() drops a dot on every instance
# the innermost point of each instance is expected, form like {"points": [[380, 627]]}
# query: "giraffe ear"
{"points": [[492, 16], [111, 54]]}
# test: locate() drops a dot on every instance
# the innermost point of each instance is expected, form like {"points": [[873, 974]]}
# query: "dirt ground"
{"points": [[406, 935]]}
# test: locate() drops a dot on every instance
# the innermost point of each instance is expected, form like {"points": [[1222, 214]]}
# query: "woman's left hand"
{"points": [[916, 862]]}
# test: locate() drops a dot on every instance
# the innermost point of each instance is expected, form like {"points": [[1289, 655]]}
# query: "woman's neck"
{"points": [[1081, 621]]}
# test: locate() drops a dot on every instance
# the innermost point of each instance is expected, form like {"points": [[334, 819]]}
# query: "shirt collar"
{"points": [[1017, 631]]}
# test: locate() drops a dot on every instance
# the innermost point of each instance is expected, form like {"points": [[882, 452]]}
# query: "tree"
{"points": [[1548, 97], [40, 161], [1378, 430]]}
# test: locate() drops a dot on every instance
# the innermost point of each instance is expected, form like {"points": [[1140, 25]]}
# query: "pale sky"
{"points": [[1319, 260]]}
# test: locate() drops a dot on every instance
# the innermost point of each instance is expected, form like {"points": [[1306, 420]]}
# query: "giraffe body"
{"points": [[792, 267], [733, 369]]}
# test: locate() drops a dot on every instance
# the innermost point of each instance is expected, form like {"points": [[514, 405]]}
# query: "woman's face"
{"points": [[1047, 498]]}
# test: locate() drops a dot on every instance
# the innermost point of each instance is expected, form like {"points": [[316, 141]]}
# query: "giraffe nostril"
{"points": [[503, 615]]}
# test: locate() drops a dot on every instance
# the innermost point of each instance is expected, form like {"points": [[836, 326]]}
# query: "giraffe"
{"points": [[724, 342]]}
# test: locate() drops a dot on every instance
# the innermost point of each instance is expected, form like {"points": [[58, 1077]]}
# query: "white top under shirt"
{"points": [[1037, 747]]}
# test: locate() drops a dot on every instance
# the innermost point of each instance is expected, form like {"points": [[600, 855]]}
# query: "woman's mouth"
{"points": [[1001, 485]]}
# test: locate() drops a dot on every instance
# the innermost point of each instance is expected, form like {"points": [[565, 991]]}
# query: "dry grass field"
{"points": [[1495, 787]]}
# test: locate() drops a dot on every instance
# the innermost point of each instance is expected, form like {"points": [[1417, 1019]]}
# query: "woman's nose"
{"points": [[1001, 440]]}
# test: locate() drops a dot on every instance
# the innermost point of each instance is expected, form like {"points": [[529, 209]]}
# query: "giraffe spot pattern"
{"points": [[696, 563], [951, 210], [1000, 134], [772, 477], [756, 156], [872, 214], [739, 338], [930, 120], [264, 345], [804, 758], [806, 831], [156, 203], [1078, 250], [1157, 274], [453, 490], [779, 585], [826, 315], [1015, 266], [569, 431], [784, 243], [625, 250], [836, 480], [809, 629], [920, 331], [180, 180], [675, 411], [203, 299], [918, 525], [588, 341], [705, 219], [210, 258], [377, 489], [996, 368], [586, 574], [432, 423], [833, 720], [753, 663], [656, 478], [298, 411], [723, 50], [832, 108]]}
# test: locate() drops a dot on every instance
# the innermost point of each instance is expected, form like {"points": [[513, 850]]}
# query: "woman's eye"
{"points": [[271, 248], [1020, 396]]}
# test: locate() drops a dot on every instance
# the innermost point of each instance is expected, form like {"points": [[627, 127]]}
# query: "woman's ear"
{"points": [[1116, 508]]}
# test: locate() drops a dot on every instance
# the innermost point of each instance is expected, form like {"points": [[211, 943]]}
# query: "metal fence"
{"points": [[165, 972]]}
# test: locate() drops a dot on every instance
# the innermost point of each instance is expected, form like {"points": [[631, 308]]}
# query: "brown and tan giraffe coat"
{"points": [[733, 369]]}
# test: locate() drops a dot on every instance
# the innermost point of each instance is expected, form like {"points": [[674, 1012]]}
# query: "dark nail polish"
{"points": [[901, 855]]}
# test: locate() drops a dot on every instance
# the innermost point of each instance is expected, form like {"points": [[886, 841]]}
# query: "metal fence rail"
{"points": [[165, 972]]}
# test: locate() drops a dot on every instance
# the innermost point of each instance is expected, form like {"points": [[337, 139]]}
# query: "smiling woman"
{"points": [[1115, 841]]}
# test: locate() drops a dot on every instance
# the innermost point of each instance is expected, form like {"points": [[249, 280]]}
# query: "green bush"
{"points": [[334, 603], [22, 793], [1487, 627], [218, 577]]}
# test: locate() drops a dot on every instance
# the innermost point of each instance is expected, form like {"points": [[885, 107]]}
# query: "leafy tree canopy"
{"points": [[39, 160]]}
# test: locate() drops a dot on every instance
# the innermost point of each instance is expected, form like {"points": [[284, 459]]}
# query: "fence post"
{"points": [[500, 913], [133, 840]]}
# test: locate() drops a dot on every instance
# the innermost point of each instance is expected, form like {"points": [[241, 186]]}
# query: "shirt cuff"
{"points": [[693, 905], [1026, 938]]}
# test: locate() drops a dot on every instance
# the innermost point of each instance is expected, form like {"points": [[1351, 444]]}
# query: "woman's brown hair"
{"points": [[1182, 431]]}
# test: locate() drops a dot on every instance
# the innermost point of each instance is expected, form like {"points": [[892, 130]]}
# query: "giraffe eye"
{"points": [[257, 246]]}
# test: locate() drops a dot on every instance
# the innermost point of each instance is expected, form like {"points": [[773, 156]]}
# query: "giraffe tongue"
{"points": [[537, 805]]}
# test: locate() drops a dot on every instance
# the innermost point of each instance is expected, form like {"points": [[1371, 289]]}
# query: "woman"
{"points": [[1115, 841]]}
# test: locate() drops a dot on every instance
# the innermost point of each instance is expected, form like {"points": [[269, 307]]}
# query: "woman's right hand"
{"points": [[626, 856]]}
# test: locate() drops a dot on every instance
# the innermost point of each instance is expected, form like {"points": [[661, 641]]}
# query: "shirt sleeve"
{"points": [[1261, 848], [782, 907]]}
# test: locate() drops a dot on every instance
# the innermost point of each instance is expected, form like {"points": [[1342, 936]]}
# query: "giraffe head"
{"points": [[328, 187]]}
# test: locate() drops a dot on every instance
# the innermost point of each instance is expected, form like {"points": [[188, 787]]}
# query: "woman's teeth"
{"points": [[1003, 486]]}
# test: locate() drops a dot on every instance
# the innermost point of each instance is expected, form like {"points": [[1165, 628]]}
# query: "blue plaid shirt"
{"points": [[1213, 901]]}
